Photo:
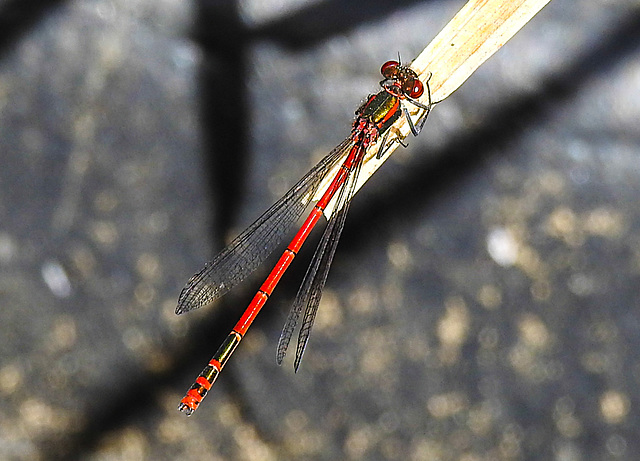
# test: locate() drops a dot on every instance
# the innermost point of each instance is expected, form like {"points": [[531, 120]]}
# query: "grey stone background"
{"points": [[484, 301]]}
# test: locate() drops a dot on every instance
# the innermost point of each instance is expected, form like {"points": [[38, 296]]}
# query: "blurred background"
{"points": [[484, 300]]}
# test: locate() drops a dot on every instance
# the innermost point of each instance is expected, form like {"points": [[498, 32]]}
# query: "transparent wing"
{"points": [[249, 249], [310, 291]]}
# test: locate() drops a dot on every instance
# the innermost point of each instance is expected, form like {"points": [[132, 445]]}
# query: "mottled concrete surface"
{"points": [[484, 303]]}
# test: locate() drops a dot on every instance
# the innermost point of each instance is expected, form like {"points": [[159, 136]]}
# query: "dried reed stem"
{"points": [[476, 32]]}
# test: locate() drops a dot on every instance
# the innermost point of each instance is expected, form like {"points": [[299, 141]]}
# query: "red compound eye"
{"points": [[413, 88], [389, 69]]}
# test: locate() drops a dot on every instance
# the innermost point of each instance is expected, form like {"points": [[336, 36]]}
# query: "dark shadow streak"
{"points": [[17, 17], [311, 25], [223, 107]]}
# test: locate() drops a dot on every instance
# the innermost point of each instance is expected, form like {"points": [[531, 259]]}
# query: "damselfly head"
{"points": [[401, 81]]}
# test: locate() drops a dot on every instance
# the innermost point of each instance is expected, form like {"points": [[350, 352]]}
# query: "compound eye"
{"points": [[414, 88], [389, 69]]}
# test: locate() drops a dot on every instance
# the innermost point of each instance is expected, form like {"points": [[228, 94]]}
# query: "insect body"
{"points": [[247, 251]]}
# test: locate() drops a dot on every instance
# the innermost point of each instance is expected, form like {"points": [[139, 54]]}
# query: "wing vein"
{"points": [[249, 249]]}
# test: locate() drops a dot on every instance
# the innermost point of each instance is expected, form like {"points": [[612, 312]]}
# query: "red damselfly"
{"points": [[244, 254]]}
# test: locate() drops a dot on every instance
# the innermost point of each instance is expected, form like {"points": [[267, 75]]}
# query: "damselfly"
{"points": [[244, 254]]}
